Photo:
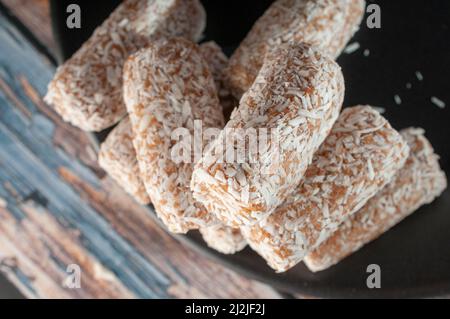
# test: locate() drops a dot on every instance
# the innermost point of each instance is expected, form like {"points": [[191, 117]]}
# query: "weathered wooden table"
{"points": [[57, 207]]}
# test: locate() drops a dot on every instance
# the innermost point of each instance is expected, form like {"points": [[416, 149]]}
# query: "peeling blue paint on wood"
{"points": [[60, 208], [29, 162]]}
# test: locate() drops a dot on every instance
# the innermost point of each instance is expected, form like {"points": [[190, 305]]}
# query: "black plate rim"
{"points": [[198, 245], [192, 241], [189, 240]]}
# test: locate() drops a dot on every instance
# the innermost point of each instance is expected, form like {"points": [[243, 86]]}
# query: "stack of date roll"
{"points": [[325, 183]]}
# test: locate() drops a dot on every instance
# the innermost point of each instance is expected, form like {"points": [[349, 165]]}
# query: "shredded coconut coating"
{"points": [[87, 90], [168, 86], [419, 182], [218, 61], [298, 94], [225, 240], [117, 155], [326, 24], [118, 158], [359, 157]]}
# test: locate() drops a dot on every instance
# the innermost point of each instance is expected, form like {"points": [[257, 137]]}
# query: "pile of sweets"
{"points": [[328, 182]]}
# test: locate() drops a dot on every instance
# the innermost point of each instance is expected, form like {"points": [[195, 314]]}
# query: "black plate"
{"points": [[415, 256]]}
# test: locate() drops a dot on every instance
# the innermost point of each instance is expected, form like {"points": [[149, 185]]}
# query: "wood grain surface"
{"points": [[58, 208], [34, 15]]}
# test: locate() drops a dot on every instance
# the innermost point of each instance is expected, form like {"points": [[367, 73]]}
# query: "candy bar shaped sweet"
{"points": [[224, 239], [360, 156], [117, 155], [118, 158], [296, 98], [326, 24], [87, 90], [419, 182], [167, 87]]}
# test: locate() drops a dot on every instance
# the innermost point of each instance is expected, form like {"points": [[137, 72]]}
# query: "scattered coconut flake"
{"points": [[408, 86], [380, 110], [366, 52], [438, 102], [123, 23], [419, 76], [353, 47], [371, 170], [397, 99]]}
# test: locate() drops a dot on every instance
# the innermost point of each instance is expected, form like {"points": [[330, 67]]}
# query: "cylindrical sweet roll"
{"points": [[118, 158], [117, 155], [419, 182], [167, 87], [326, 24], [224, 239], [87, 90], [289, 111], [359, 157]]}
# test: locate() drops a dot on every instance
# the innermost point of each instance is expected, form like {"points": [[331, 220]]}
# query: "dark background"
{"points": [[414, 37], [7, 290]]}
